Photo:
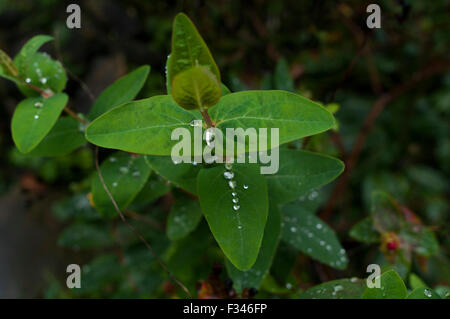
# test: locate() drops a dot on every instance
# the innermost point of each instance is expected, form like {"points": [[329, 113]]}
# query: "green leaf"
{"points": [[293, 115], [183, 175], [364, 231], [85, 236], [423, 293], [238, 230], [23, 58], [62, 139], [423, 240], [336, 289], [121, 91], [44, 73], [196, 88], [392, 287], [385, 213], [124, 175], [183, 218], [76, 206], [300, 172], [188, 49], [152, 190], [34, 118], [253, 277], [306, 232], [415, 282], [142, 127]]}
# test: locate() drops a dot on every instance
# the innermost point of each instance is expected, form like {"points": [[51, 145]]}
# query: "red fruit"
{"points": [[392, 245]]}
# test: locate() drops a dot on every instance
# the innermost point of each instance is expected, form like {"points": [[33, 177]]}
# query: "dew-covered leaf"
{"points": [[391, 287], [336, 289], [306, 232], [34, 118], [121, 91], [253, 277], [235, 205], [299, 172], [125, 175], [293, 115], [143, 127], [44, 73], [24, 57], [423, 293], [364, 231], [183, 175]]}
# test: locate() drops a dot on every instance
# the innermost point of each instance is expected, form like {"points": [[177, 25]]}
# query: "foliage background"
{"points": [[406, 154]]}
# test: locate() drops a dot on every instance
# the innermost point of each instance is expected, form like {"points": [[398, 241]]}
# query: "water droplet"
{"points": [[209, 137], [322, 243], [338, 288], [310, 235], [239, 226], [194, 163], [353, 279], [236, 207], [28, 80], [195, 123], [232, 184], [43, 80], [319, 226], [124, 170], [235, 200], [309, 250], [328, 247], [136, 173], [313, 195], [293, 229], [38, 104], [234, 194], [228, 175], [36, 116], [228, 166], [114, 184], [342, 251], [288, 286], [245, 186], [113, 159], [427, 292]]}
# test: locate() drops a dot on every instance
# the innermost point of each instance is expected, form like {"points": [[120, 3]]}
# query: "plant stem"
{"points": [[207, 118], [75, 116], [47, 95]]}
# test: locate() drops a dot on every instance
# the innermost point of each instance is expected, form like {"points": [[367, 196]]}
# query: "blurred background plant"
{"points": [[389, 88]]}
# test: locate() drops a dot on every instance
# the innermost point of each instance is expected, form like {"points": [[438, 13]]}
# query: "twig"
{"points": [[75, 116], [134, 230], [207, 118], [375, 111]]}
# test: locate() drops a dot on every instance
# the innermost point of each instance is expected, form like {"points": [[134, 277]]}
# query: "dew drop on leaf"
{"points": [[228, 175]]}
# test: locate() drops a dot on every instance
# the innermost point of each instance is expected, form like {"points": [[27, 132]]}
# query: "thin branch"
{"points": [[207, 118], [134, 230], [75, 116]]}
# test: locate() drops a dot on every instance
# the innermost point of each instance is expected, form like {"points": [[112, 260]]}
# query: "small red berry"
{"points": [[392, 245]]}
